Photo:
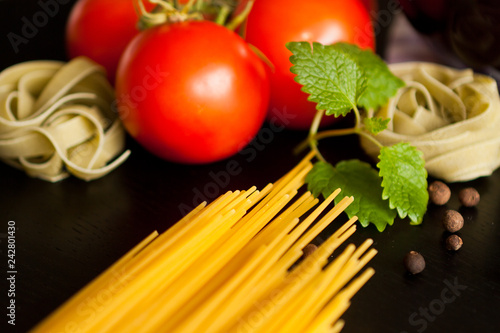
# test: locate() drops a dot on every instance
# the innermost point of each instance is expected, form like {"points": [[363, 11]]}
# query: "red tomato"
{"points": [[272, 24], [100, 30], [191, 92]]}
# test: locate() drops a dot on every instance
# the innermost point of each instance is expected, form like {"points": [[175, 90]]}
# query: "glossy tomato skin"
{"points": [[100, 30], [272, 24], [191, 92]]}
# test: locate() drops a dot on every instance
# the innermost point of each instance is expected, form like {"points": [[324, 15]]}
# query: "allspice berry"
{"points": [[414, 262], [452, 220], [469, 197], [454, 242], [439, 193]]}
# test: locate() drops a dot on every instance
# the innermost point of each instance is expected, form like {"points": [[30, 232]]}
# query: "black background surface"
{"points": [[69, 232]]}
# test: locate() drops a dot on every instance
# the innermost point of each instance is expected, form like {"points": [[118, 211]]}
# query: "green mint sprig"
{"points": [[333, 81], [342, 78]]}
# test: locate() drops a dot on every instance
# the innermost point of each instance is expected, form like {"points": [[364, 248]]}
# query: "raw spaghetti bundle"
{"points": [[234, 265]]}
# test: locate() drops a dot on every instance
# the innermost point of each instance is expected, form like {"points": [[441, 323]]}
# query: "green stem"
{"points": [[163, 4], [311, 141], [336, 132], [313, 138], [199, 5], [371, 138], [358, 116], [240, 18], [346, 131], [223, 15], [187, 8], [316, 122], [165, 11], [323, 135], [149, 19]]}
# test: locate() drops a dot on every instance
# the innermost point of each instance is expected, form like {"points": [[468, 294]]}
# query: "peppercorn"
{"points": [[309, 249], [414, 262], [439, 193], [452, 220], [469, 197], [454, 242]]}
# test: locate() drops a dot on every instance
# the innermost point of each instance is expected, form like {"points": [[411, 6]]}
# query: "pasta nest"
{"points": [[451, 115], [57, 119]]}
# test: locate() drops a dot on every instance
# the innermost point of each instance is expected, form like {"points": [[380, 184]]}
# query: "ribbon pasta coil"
{"points": [[57, 119], [451, 115]]}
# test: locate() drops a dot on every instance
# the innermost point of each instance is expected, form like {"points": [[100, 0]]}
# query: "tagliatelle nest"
{"points": [[56, 119], [452, 116]]}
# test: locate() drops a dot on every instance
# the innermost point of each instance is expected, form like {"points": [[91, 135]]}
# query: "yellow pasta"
{"points": [[234, 265]]}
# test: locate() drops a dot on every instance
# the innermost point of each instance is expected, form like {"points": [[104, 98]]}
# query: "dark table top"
{"points": [[69, 232]]}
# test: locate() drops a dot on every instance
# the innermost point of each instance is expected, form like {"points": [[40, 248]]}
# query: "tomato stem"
{"points": [[165, 11], [241, 17], [147, 19], [223, 14], [263, 57], [199, 5], [187, 8]]}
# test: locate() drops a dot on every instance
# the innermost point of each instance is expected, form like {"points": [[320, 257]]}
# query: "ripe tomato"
{"points": [[272, 24], [191, 92], [100, 30]]}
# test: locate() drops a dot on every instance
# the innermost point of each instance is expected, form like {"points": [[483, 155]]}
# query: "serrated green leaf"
{"points": [[318, 179], [381, 84], [331, 78], [375, 125], [357, 179], [360, 180], [402, 169]]}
